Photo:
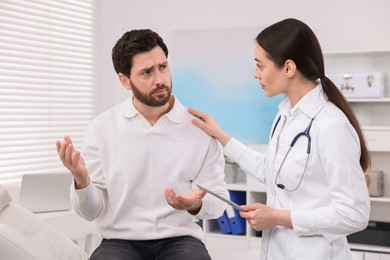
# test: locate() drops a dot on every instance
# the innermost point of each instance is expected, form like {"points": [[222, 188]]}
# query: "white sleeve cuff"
{"points": [[303, 223]]}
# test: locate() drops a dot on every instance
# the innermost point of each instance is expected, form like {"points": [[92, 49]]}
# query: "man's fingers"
{"points": [[169, 192], [58, 145], [67, 139], [68, 153], [169, 195], [76, 159], [62, 150]]}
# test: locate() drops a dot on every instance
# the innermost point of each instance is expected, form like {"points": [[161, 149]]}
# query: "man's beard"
{"points": [[150, 99]]}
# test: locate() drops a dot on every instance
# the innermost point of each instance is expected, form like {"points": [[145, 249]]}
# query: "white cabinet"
{"points": [[371, 256], [360, 255], [384, 256], [376, 256], [373, 115], [357, 255]]}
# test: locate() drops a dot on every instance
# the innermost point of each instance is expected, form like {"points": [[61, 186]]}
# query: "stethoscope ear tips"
{"points": [[280, 186]]}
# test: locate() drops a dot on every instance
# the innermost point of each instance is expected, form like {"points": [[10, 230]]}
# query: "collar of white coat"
{"points": [[310, 104], [176, 114]]}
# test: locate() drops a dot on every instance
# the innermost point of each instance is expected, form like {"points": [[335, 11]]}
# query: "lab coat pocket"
{"points": [[310, 248]]}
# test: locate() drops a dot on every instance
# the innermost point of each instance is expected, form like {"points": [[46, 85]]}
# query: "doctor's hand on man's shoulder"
{"points": [[73, 161]]}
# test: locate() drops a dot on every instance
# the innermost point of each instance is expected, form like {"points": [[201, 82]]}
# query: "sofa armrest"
{"points": [[14, 245], [20, 222]]}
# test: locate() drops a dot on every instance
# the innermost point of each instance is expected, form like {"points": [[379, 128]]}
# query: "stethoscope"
{"points": [[305, 133]]}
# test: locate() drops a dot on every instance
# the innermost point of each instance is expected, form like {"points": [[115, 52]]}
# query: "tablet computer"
{"points": [[231, 203]]}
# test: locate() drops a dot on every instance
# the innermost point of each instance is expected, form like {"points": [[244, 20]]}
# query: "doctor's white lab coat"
{"points": [[332, 200]]}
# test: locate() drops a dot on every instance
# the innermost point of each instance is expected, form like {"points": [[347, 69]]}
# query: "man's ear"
{"points": [[290, 68], [125, 81]]}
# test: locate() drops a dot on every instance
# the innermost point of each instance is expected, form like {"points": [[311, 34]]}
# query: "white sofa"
{"points": [[25, 236]]}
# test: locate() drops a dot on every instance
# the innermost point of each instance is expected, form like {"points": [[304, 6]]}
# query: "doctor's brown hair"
{"points": [[291, 39]]}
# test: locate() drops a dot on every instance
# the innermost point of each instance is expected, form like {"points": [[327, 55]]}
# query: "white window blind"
{"points": [[46, 81]]}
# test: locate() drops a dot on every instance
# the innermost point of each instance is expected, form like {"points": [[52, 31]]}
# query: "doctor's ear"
{"points": [[125, 81], [290, 68]]}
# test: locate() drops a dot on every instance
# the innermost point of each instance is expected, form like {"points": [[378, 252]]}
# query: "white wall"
{"points": [[346, 25]]}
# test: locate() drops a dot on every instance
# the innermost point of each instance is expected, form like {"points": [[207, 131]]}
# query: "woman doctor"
{"points": [[313, 167]]}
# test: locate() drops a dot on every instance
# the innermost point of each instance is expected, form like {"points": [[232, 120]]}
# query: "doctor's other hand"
{"points": [[208, 124], [192, 202], [73, 161], [261, 216]]}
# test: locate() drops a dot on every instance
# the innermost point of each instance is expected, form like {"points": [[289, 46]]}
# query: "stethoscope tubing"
{"points": [[305, 133]]}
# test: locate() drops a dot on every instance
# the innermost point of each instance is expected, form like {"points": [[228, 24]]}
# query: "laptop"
{"points": [[45, 192]]}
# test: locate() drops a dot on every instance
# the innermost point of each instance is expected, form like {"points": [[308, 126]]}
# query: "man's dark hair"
{"points": [[131, 43]]}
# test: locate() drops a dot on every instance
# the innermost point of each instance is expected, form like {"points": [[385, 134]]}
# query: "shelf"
{"points": [[243, 186], [379, 150], [369, 248], [218, 234], [380, 199], [356, 53], [369, 100], [376, 127]]}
